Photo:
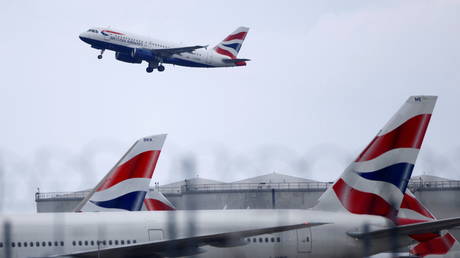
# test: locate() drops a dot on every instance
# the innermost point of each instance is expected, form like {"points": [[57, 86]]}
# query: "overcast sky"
{"points": [[324, 78]]}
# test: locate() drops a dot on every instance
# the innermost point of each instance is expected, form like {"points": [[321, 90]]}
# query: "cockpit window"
{"points": [[93, 30]]}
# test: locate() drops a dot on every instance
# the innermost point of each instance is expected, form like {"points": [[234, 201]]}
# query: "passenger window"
{"points": [[134, 241], [43, 243], [128, 242], [25, 244], [278, 239], [110, 242], [12, 244], [260, 240], [1, 244], [62, 243], [19, 244], [56, 243], [86, 242], [37, 244], [254, 240], [92, 242], [122, 242], [103, 242], [116, 242], [266, 240], [74, 243], [272, 239], [80, 243], [308, 239], [31, 244], [50, 244]]}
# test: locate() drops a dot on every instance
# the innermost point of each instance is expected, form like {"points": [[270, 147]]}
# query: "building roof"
{"points": [[274, 178], [193, 181], [428, 178]]}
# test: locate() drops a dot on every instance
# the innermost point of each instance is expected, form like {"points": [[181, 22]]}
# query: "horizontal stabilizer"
{"points": [[417, 228], [190, 245], [234, 61]]}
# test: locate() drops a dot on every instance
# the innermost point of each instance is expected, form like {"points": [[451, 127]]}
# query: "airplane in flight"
{"points": [[135, 49], [127, 185], [357, 215]]}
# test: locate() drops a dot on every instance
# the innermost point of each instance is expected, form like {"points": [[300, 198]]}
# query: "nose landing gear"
{"points": [[100, 55]]}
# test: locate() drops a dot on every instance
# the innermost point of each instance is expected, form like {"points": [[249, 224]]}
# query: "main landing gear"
{"points": [[100, 55], [153, 66]]}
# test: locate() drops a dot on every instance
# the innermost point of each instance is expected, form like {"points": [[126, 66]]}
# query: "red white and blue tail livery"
{"points": [[231, 45], [156, 201], [135, 49], [375, 183], [126, 185], [439, 244]]}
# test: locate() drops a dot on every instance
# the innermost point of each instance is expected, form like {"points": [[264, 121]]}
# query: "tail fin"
{"points": [[376, 181], [125, 186], [156, 201], [412, 211], [231, 45]]}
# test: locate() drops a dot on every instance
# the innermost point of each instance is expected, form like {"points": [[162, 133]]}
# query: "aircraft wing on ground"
{"points": [[411, 229], [166, 52], [184, 246]]}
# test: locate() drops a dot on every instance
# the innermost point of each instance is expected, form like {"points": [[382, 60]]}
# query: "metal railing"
{"points": [[316, 186], [309, 186]]}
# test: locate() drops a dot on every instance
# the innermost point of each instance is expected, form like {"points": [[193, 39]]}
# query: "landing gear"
{"points": [[149, 69], [100, 55], [161, 68]]}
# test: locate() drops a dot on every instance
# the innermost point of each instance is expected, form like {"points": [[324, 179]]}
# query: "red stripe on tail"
{"points": [[358, 202], [408, 135], [156, 205], [140, 166], [240, 35]]}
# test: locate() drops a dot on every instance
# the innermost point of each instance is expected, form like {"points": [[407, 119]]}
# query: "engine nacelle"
{"points": [[127, 58], [143, 54]]}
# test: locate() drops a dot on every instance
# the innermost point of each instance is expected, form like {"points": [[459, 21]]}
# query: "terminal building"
{"points": [[270, 191]]}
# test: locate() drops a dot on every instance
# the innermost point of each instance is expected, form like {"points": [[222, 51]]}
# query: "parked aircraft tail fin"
{"points": [[376, 181], [126, 185], [156, 201], [437, 243]]}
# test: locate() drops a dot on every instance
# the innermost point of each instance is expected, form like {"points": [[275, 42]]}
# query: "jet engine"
{"points": [[127, 58], [143, 54]]}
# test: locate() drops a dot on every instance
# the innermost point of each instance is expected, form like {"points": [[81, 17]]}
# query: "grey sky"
{"points": [[325, 76]]}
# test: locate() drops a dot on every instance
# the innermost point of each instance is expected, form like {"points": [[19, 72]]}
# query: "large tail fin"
{"points": [[126, 185], [376, 181], [231, 45], [412, 211]]}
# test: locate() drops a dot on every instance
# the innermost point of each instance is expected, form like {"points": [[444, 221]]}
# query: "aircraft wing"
{"points": [[416, 228], [183, 246], [165, 52]]}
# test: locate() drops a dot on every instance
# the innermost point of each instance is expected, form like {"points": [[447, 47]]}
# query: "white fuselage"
{"points": [[63, 233], [123, 42]]}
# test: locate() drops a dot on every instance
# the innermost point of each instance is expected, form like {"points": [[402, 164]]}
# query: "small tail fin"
{"points": [[412, 211], [126, 185], [156, 201], [376, 181], [231, 45]]}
